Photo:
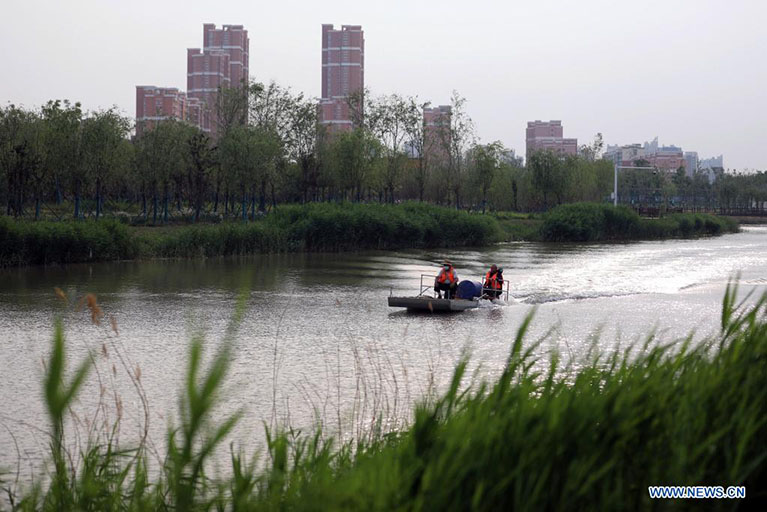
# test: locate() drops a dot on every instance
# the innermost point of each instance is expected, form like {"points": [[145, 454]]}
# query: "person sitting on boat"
{"points": [[493, 284], [447, 281]]}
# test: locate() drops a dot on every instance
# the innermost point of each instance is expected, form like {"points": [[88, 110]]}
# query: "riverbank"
{"points": [[593, 436], [332, 227], [316, 227], [593, 222]]}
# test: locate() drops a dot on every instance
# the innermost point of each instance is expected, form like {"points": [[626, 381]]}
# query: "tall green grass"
{"points": [[586, 222], [543, 436], [48, 242], [311, 227], [330, 227]]}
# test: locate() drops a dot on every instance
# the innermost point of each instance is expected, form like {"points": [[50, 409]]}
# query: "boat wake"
{"points": [[545, 297]]}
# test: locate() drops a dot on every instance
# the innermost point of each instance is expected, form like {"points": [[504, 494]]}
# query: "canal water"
{"points": [[318, 343]]}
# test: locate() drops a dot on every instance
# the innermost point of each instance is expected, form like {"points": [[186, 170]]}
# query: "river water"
{"points": [[319, 344]]}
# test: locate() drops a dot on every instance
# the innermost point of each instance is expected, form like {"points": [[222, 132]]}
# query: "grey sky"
{"points": [[692, 72]]}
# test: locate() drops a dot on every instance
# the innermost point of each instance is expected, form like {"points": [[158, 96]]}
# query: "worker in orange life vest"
{"points": [[447, 281], [493, 284]]}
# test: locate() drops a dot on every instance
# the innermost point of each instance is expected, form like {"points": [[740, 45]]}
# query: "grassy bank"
{"points": [[46, 242], [561, 438], [330, 227], [586, 222], [311, 227], [520, 226]]}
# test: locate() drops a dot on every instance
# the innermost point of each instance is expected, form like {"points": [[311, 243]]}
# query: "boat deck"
{"points": [[424, 303]]}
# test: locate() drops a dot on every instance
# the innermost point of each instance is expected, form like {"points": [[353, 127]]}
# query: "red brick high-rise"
{"points": [[343, 73], [222, 62], [436, 121], [155, 104], [548, 136]]}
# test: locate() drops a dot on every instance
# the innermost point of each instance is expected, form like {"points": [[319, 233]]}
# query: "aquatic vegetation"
{"points": [[587, 222], [323, 227], [48, 242], [543, 436], [331, 227]]}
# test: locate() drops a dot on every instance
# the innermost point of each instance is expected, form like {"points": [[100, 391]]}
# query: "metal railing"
{"points": [[423, 288]]}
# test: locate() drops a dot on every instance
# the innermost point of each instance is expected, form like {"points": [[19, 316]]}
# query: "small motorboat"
{"points": [[468, 295]]}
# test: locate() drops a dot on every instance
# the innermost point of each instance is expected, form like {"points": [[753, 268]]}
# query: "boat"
{"points": [[432, 304], [468, 295]]}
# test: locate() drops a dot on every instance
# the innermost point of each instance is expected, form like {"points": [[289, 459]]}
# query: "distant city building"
{"points": [[713, 168], [667, 158], [343, 73], [690, 163], [436, 131], [548, 135], [156, 104], [624, 155], [510, 157], [712, 163], [222, 62]]}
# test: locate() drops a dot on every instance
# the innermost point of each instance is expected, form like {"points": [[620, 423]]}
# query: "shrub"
{"points": [[584, 222], [46, 242]]}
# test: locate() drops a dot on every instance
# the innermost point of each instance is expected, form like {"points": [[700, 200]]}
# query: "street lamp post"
{"points": [[615, 179]]}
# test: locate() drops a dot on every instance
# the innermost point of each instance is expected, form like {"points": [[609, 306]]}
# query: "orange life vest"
{"points": [[448, 276], [491, 281]]}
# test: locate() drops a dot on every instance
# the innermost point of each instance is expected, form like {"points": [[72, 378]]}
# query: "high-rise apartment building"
{"points": [[232, 39], [690, 163], [343, 73], [155, 104], [222, 62], [548, 136], [436, 127]]}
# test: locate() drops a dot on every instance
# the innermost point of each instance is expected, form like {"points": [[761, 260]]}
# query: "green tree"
{"points": [[163, 157], [390, 119], [304, 138], [22, 157], [65, 147], [419, 143], [353, 156], [102, 135], [454, 141], [486, 161], [271, 109], [548, 175], [202, 160]]}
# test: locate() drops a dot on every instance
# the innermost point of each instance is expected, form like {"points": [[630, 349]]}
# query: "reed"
{"points": [[326, 227], [590, 222]]}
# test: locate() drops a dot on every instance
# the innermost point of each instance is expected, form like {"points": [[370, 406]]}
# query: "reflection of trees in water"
{"points": [[228, 274]]}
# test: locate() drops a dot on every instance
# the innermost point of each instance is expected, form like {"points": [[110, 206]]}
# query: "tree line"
{"points": [[271, 149]]}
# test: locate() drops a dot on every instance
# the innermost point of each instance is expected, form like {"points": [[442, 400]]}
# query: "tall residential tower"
{"points": [[343, 74], [222, 62]]}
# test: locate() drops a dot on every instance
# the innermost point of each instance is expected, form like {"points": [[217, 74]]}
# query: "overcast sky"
{"points": [[692, 72]]}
